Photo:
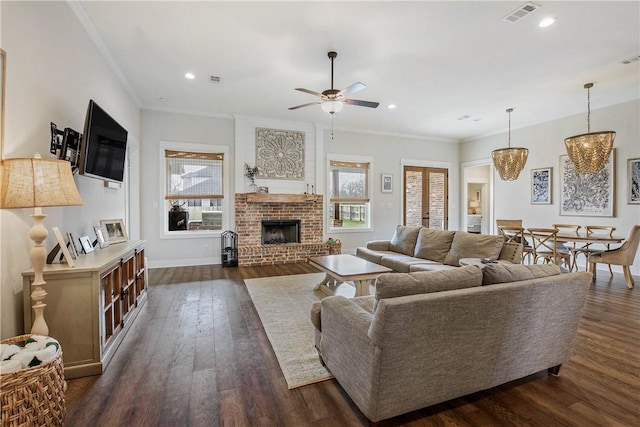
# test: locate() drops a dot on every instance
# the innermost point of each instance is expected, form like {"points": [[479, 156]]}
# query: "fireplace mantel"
{"points": [[280, 198]]}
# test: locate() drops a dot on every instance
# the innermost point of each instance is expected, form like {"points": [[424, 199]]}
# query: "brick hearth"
{"points": [[252, 208]]}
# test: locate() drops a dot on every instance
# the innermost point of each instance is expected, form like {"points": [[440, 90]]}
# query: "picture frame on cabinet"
{"points": [[115, 230], [73, 249], [63, 247], [387, 183], [633, 181], [102, 241], [3, 72], [87, 246]]}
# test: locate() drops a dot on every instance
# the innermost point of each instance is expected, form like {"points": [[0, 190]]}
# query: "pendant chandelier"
{"points": [[511, 160], [589, 152]]}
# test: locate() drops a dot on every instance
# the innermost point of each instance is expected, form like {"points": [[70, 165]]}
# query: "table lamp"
{"points": [[37, 183]]}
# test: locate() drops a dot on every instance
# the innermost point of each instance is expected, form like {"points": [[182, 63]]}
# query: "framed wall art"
{"points": [[633, 181], [589, 194], [541, 186], [279, 154], [115, 229], [387, 183]]}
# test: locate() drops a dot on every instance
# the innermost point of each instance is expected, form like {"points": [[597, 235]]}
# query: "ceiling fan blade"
{"points": [[305, 105], [361, 103], [301, 89], [356, 87]]}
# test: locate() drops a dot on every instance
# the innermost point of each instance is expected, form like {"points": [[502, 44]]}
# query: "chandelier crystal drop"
{"points": [[511, 160], [589, 151]]}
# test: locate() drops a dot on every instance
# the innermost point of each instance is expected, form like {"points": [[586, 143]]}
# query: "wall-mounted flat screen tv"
{"points": [[104, 146]]}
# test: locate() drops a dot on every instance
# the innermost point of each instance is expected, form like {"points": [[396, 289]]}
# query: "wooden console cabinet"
{"points": [[90, 307]]}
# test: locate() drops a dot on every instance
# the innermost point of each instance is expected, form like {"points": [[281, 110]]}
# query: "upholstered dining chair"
{"points": [[623, 256], [545, 247], [589, 249]]}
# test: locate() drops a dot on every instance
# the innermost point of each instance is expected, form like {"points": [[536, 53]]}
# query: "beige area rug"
{"points": [[283, 304]]}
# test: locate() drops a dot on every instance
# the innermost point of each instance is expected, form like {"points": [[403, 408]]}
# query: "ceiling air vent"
{"points": [[630, 60], [214, 79], [521, 12]]}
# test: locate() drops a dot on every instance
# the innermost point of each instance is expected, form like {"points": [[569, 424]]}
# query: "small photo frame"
{"points": [[387, 183], [541, 186], [87, 247], [73, 249], [102, 241], [63, 247], [633, 184], [115, 230], [263, 190]]}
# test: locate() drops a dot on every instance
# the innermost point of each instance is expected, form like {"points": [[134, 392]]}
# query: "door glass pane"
{"points": [[413, 199], [437, 200]]}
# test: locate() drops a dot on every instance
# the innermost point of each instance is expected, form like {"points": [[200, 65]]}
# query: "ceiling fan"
{"points": [[332, 100]]}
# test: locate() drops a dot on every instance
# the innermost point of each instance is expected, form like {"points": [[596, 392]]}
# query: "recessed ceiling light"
{"points": [[546, 22], [392, 106], [190, 76]]}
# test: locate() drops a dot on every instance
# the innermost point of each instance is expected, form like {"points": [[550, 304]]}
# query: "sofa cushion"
{"points": [[392, 285], [469, 245], [372, 255], [433, 244], [398, 262], [503, 273], [404, 239], [511, 252], [432, 266]]}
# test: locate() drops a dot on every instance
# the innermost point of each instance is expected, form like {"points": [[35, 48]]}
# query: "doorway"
{"points": [[426, 201], [477, 199]]}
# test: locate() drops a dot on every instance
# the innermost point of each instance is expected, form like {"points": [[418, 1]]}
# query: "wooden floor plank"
{"points": [[198, 356]]}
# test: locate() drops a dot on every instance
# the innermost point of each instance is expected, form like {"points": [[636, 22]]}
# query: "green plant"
{"points": [[251, 172]]}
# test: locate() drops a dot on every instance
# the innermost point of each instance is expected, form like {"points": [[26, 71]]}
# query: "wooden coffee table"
{"points": [[346, 268]]}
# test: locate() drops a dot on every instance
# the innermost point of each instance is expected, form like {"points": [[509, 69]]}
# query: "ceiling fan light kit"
{"points": [[590, 151], [332, 100], [511, 160]]}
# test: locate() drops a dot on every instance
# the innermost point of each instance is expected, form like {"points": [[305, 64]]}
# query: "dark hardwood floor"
{"points": [[197, 355]]}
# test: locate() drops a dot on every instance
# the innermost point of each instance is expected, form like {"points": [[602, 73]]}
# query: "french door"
{"points": [[426, 197]]}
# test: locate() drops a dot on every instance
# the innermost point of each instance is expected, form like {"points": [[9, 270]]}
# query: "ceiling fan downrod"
{"points": [[331, 56]]}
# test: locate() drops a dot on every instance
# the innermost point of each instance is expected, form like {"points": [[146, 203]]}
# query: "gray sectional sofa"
{"points": [[428, 337], [425, 249]]}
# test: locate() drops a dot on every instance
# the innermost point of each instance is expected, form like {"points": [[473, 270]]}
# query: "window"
{"points": [[194, 196], [349, 205]]}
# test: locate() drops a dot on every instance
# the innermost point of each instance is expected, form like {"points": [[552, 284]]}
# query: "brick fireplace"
{"points": [[253, 208]]}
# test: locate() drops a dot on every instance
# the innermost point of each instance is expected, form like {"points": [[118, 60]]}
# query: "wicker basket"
{"points": [[33, 396]]}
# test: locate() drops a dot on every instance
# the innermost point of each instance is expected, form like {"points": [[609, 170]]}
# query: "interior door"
{"points": [[426, 197]]}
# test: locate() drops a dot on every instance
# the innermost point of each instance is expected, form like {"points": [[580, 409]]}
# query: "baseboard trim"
{"points": [[167, 263]]}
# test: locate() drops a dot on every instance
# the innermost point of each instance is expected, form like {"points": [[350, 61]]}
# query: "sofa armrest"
{"points": [[379, 245]]}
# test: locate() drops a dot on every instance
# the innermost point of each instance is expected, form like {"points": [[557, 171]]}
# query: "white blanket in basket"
{"points": [[37, 350]]}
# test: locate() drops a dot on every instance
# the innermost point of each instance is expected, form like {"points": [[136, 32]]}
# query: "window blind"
{"points": [[193, 175]]}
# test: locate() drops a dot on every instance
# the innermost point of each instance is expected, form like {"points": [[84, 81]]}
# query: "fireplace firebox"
{"points": [[280, 231]]}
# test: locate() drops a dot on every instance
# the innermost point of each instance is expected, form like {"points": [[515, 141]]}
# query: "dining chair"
{"points": [[589, 249], [572, 229], [545, 247], [527, 249], [514, 235], [623, 256]]}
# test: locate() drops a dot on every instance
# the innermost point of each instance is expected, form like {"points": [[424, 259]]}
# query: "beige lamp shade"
{"points": [[30, 183]]}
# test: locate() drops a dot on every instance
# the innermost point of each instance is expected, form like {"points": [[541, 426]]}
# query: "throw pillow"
{"points": [[392, 285], [469, 245], [503, 273], [433, 245], [404, 240]]}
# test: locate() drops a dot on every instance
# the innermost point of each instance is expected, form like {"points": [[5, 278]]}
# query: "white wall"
{"points": [[53, 69], [546, 144], [162, 126], [389, 154]]}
